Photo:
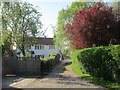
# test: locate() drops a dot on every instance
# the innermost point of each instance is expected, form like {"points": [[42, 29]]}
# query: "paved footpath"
{"points": [[60, 77]]}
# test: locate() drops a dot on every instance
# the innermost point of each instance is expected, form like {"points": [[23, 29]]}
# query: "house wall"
{"points": [[46, 51]]}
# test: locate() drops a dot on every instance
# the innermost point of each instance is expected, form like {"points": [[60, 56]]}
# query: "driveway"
{"points": [[60, 77]]}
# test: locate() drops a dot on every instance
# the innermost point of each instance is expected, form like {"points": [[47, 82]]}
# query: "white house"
{"points": [[43, 48]]}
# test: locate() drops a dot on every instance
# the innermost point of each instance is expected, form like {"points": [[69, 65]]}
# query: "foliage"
{"points": [[5, 48], [49, 63], [51, 57], [20, 21], [96, 80], [66, 16], [102, 62], [115, 5], [28, 53], [23, 58], [97, 25]]}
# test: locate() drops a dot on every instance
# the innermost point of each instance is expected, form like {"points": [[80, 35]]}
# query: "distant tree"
{"points": [[97, 25], [20, 21]]}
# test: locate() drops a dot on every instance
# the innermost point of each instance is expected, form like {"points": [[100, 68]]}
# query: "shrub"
{"points": [[24, 58], [103, 61], [49, 63]]}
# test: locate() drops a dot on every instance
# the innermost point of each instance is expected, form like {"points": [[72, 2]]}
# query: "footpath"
{"points": [[61, 76]]}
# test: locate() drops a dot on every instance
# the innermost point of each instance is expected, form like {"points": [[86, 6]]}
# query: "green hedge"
{"points": [[49, 63], [103, 62]]}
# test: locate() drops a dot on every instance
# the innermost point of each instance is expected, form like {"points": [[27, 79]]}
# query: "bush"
{"points": [[101, 62], [24, 58], [49, 63]]}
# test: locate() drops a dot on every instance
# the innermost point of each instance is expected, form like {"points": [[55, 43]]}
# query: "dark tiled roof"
{"points": [[45, 41]]}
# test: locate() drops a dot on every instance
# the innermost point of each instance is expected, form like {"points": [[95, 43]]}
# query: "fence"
{"points": [[10, 65]]}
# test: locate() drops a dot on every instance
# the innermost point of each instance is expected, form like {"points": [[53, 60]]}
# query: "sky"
{"points": [[49, 10]]}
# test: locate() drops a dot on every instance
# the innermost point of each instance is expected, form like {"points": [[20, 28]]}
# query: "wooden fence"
{"points": [[10, 65]]}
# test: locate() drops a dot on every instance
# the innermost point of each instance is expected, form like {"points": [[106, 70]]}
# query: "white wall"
{"points": [[46, 51]]}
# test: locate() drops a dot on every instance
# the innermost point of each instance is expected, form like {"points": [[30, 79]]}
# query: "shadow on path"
{"points": [[61, 76]]}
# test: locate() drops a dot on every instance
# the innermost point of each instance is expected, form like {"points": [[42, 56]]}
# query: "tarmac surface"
{"points": [[61, 76]]}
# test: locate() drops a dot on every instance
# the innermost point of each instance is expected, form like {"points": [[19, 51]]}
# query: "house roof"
{"points": [[45, 41]]}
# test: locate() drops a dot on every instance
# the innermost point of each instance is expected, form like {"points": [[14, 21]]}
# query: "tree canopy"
{"points": [[97, 25], [20, 21], [66, 16]]}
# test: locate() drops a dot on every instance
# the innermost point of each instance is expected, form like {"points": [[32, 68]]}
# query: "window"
{"points": [[39, 46], [36, 46], [51, 47]]}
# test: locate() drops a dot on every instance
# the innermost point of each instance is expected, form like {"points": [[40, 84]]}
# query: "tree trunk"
{"points": [[23, 52]]}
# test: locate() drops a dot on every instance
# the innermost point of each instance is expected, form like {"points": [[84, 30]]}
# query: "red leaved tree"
{"points": [[97, 25]]}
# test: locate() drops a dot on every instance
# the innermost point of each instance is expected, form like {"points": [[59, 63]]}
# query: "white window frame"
{"points": [[37, 46], [51, 47], [41, 46]]}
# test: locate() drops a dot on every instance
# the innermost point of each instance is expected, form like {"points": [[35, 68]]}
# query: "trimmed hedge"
{"points": [[103, 62], [49, 63]]}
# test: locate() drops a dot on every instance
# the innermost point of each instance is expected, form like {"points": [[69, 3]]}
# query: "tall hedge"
{"points": [[101, 62], [49, 63]]}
